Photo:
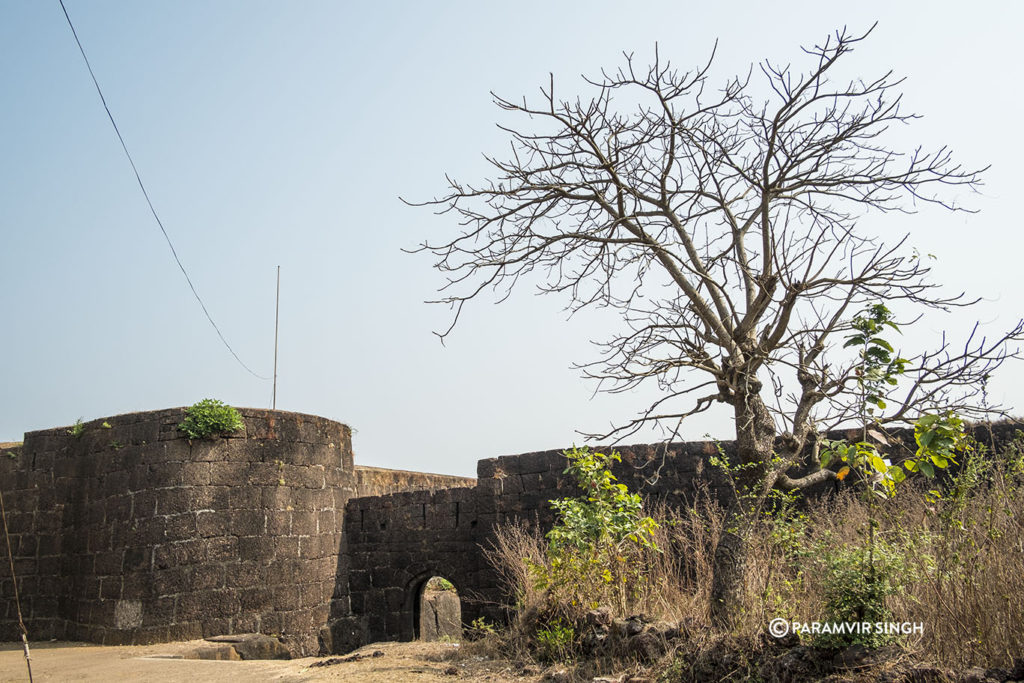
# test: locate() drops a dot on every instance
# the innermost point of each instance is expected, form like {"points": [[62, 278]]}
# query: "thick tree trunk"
{"points": [[730, 570], [755, 440]]}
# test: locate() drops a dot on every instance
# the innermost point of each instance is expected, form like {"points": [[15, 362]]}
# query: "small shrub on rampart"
{"points": [[78, 429], [210, 417]]}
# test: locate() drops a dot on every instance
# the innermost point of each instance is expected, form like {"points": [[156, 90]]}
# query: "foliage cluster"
{"points": [[210, 417], [938, 436], [556, 641], [853, 594], [78, 429], [597, 539], [606, 516], [479, 628]]}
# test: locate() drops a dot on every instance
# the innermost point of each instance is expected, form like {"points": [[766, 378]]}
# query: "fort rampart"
{"points": [[125, 532]]}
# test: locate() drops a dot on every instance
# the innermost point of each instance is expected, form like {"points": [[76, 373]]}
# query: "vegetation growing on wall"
{"points": [[210, 417], [77, 429]]}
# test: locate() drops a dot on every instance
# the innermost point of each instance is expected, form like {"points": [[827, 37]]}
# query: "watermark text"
{"points": [[783, 627]]}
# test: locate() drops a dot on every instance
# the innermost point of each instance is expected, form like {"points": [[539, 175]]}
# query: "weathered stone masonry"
{"points": [[396, 543], [132, 534]]}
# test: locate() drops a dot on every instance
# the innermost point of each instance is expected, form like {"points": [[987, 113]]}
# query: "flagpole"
{"points": [[277, 308]]}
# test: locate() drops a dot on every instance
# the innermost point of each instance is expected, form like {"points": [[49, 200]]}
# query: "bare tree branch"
{"points": [[725, 230]]}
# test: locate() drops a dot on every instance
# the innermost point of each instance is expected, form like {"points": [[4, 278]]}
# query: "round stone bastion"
{"points": [[124, 531]]}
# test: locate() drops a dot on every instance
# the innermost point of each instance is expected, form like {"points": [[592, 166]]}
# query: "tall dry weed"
{"points": [[971, 595]]}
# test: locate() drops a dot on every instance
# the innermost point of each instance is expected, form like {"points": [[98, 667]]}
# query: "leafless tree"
{"points": [[724, 228]]}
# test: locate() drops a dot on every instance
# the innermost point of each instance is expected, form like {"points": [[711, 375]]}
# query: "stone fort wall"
{"points": [[395, 543], [130, 533]]}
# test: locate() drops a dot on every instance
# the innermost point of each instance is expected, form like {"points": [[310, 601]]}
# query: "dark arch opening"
{"points": [[437, 610]]}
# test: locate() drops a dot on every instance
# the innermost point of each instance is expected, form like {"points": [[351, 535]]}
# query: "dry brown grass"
{"points": [[958, 562], [971, 593], [667, 582]]}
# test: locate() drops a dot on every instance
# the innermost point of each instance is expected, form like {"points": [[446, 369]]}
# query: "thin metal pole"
{"points": [[14, 581], [277, 308]]}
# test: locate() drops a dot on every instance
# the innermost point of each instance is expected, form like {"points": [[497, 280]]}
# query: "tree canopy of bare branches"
{"points": [[725, 227]]}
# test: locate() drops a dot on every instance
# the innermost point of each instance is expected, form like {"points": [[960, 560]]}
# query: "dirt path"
{"points": [[401, 662]]}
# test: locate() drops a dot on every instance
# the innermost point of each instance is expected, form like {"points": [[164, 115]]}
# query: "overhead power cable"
{"points": [[149, 201]]}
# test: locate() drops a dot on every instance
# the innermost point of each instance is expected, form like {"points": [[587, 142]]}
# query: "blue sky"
{"points": [[283, 134]]}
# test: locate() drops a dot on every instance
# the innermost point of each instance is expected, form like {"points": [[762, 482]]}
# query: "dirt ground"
{"points": [[401, 662]]}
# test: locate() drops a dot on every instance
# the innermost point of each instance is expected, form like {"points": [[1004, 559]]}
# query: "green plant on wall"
{"points": [[210, 417], [77, 429]]}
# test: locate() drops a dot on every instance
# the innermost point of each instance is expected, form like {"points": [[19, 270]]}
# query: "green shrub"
{"points": [[209, 417], [556, 641], [858, 582], [606, 514], [596, 539], [479, 628]]}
